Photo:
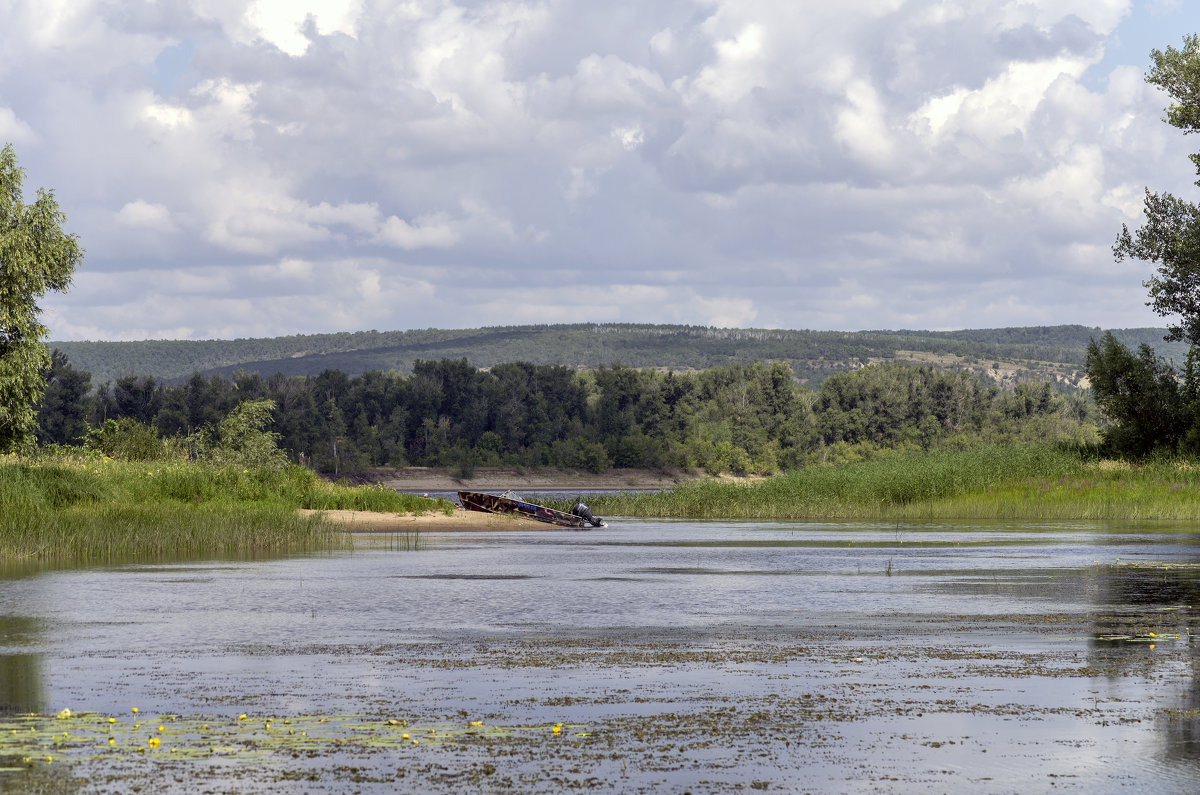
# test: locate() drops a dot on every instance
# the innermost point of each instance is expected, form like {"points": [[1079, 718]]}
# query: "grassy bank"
{"points": [[1029, 482], [88, 507]]}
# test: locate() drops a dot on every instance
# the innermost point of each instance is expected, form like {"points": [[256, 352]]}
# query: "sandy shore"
{"points": [[373, 522]]}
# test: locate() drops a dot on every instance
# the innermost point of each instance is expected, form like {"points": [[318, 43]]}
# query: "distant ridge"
{"points": [[1015, 353]]}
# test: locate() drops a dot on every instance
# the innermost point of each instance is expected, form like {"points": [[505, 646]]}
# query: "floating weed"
{"points": [[95, 737]]}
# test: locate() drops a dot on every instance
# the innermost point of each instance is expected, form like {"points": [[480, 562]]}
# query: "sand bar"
{"points": [[459, 520]]}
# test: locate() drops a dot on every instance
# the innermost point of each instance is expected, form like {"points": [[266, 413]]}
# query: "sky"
{"points": [[249, 168]]}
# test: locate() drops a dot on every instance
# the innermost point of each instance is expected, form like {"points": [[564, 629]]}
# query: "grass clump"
{"points": [[996, 482], [72, 504]]}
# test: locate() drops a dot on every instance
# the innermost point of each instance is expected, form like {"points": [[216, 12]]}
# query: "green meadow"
{"points": [[73, 506], [1030, 482]]}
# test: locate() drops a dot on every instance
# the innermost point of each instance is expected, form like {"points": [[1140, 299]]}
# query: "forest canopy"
{"points": [[740, 418]]}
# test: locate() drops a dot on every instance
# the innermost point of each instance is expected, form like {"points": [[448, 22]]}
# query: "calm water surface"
{"points": [[690, 655]]}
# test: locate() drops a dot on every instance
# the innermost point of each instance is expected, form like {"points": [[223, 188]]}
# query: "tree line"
{"points": [[739, 418]]}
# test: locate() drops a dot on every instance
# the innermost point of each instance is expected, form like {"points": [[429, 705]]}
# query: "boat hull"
{"points": [[492, 503]]}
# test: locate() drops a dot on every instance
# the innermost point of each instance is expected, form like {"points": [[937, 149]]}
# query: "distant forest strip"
{"points": [[736, 418], [812, 355]]}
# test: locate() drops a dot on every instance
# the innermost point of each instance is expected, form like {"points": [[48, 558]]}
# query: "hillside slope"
{"points": [[1006, 353]]}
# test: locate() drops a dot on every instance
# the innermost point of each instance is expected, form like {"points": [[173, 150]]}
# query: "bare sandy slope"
{"points": [[373, 522]]}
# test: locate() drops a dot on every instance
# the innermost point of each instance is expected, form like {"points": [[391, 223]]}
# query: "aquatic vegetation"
{"points": [[93, 737], [86, 506], [1000, 482]]}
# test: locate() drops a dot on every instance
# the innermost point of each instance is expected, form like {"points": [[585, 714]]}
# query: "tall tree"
{"points": [[62, 414], [36, 256], [1170, 238]]}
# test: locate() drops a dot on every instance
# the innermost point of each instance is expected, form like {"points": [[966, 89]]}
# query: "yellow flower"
{"points": [[160, 728], [112, 741], [153, 742], [242, 716], [135, 709], [112, 720], [403, 736]]}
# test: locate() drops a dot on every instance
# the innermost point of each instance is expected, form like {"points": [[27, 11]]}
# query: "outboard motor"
{"points": [[585, 513]]}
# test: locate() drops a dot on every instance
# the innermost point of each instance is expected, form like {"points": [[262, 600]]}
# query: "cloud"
{"points": [[141, 214], [318, 165], [12, 129]]}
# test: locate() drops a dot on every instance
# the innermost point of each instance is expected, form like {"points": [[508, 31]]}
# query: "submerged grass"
{"points": [[1025, 482], [78, 506]]}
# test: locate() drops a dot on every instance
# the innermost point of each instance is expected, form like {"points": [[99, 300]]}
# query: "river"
{"points": [[649, 656]]}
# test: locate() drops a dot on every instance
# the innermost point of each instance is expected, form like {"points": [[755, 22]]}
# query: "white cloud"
{"points": [[427, 231], [12, 129], [762, 162], [140, 214]]}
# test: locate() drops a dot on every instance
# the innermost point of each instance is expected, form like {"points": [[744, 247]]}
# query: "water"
{"points": [[691, 655]]}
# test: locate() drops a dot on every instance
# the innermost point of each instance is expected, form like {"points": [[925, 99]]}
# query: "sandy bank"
{"points": [[373, 522]]}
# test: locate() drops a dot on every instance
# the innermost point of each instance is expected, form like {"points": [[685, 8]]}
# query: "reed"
{"points": [[74, 506], [1023, 482]]}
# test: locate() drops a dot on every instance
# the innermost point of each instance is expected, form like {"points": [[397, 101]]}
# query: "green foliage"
{"points": [[63, 411], [991, 482], [1170, 237], [72, 503], [1140, 394], [130, 440], [741, 419], [242, 438], [36, 256]]}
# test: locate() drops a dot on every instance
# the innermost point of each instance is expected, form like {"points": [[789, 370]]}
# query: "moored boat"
{"points": [[504, 503]]}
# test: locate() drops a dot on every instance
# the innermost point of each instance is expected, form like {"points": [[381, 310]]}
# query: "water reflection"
{"points": [[1150, 623], [22, 682]]}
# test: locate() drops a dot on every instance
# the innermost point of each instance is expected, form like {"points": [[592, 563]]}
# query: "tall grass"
{"points": [[71, 506], [1001, 482]]}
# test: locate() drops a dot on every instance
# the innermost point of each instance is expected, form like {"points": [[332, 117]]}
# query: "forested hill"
{"points": [[1005, 354]]}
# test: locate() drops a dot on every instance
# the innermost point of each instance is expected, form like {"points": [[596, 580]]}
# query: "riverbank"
{"points": [[1031, 482], [75, 505], [420, 479]]}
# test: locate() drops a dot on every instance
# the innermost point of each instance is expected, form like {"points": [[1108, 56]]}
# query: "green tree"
{"points": [[36, 256], [1140, 393], [63, 412], [242, 438], [1170, 238]]}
